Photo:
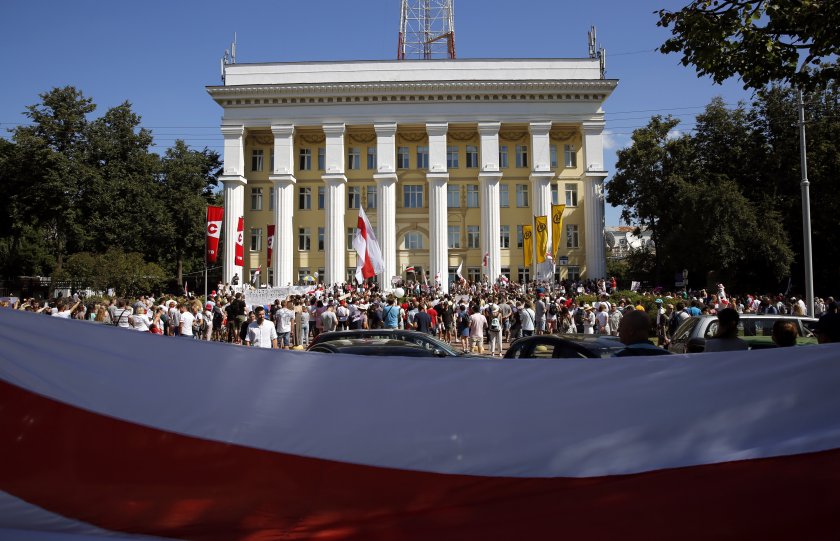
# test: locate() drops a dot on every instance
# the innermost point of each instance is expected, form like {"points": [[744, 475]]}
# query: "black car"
{"points": [[439, 348], [566, 346], [375, 346]]}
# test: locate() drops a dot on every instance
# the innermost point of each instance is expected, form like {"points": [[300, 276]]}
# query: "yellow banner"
{"points": [[527, 233], [541, 225], [556, 227]]}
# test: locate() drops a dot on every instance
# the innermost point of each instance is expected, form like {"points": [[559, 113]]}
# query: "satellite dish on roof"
{"points": [[610, 239]]}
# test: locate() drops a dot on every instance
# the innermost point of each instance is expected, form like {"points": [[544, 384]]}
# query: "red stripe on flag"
{"points": [[130, 478], [367, 266]]}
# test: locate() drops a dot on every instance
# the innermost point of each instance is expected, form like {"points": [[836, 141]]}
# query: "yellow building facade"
{"points": [[448, 159]]}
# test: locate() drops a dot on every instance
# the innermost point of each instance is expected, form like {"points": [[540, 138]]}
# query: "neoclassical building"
{"points": [[449, 159]]}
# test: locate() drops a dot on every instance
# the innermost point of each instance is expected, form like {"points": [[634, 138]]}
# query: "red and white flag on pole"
{"points": [[215, 215], [369, 261], [270, 244], [257, 272], [239, 259], [486, 260], [458, 272]]}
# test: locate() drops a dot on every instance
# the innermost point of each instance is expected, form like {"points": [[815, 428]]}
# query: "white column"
{"points": [[488, 179], [541, 176], [438, 178], [334, 202], [233, 179], [284, 185], [593, 154], [386, 199]]}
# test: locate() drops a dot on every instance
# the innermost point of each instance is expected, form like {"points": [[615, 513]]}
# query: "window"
{"points": [[304, 242], [521, 155], [320, 275], [302, 273], [254, 276], [322, 158], [271, 200], [474, 274], [555, 197], [522, 195], [573, 273], [570, 155], [503, 157], [472, 196], [519, 236], [572, 237], [402, 158], [422, 157], [571, 195], [320, 239], [354, 197], [472, 156], [271, 162], [506, 272], [524, 275], [473, 236], [257, 160], [270, 276], [321, 191], [256, 239], [304, 198], [354, 158], [371, 158], [305, 159], [256, 199], [413, 196], [453, 196], [453, 233], [371, 197], [504, 236], [452, 157], [504, 196], [553, 151], [351, 232], [413, 241]]}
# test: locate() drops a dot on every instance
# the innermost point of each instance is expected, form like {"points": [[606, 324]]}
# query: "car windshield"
{"points": [[431, 343]]}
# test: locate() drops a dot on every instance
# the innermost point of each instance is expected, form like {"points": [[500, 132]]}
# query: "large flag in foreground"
{"points": [[369, 260], [215, 215], [114, 432]]}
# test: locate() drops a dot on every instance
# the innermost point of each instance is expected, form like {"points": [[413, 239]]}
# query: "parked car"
{"points": [[376, 347], [438, 347], [565, 346], [755, 329]]}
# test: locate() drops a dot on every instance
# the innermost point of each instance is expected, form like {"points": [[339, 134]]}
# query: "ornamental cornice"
{"points": [[416, 87]]}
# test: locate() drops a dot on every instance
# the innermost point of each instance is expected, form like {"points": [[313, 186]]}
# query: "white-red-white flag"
{"points": [[486, 260], [369, 261], [458, 272], [257, 275]]}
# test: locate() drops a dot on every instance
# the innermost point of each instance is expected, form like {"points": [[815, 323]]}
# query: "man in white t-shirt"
{"points": [[186, 318], [283, 318], [261, 333]]}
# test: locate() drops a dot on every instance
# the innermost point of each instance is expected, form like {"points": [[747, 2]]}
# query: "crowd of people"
{"points": [[471, 315]]}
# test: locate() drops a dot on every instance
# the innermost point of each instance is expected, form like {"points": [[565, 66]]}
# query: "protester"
{"points": [[726, 337], [261, 332], [633, 333]]}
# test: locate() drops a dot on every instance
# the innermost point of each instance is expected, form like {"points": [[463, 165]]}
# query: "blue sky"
{"points": [[159, 55]]}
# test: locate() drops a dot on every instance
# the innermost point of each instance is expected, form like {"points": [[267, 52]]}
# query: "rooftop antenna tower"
{"points": [[595, 52], [427, 30]]}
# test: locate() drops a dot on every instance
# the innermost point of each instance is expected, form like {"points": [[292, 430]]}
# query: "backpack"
{"points": [[494, 324], [674, 323]]}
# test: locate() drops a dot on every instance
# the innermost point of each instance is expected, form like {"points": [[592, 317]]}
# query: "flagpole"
{"points": [[205, 260]]}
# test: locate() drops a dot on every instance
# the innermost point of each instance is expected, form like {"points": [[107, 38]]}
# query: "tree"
{"points": [[761, 41], [647, 175], [187, 181]]}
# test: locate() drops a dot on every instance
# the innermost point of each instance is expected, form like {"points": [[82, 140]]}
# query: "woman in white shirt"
{"points": [[603, 320], [140, 321]]}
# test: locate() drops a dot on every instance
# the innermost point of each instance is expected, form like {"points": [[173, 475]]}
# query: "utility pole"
{"points": [[806, 211]]}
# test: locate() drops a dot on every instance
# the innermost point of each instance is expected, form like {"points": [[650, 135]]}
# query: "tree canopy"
{"points": [[723, 200], [91, 186], [760, 41]]}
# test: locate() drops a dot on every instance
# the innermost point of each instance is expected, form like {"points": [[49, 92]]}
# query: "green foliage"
{"points": [[760, 41], [127, 273], [725, 201], [79, 185]]}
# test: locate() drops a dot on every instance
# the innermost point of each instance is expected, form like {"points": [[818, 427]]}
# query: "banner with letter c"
{"points": [[270, 243], [215, 215], [239, 259]]}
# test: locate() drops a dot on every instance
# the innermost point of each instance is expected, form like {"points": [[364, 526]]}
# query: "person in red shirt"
{"points": [[434, 315]]}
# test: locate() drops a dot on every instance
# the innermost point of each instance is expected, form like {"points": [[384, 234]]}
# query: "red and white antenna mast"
{"points": [[427, 29]]}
